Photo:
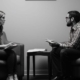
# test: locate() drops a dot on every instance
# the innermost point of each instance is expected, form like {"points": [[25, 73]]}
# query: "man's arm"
{"points": [[75, 40], [53, 43], [74, 43]]}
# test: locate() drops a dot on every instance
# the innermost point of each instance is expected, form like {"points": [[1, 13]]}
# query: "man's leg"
{"points": [[55, 55], [67, 55]]}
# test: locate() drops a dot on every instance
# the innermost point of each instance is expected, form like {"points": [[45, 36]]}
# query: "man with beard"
{"points": [[10, 54], [63, 53]]}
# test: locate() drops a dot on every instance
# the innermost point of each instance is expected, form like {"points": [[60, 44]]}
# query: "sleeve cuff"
{"points": [[62, 45]]}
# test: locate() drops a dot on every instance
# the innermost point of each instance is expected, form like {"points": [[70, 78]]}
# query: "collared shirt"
{"points": [[74, 41]]}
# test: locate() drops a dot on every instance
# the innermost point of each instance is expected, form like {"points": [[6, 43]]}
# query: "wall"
{"points": [[32, 22]]}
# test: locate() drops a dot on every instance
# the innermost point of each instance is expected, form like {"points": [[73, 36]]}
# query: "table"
{"points": [[33, 54]]}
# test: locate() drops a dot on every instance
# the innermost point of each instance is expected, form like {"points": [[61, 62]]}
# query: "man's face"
{"points": [[68, 20], [2, 19]]}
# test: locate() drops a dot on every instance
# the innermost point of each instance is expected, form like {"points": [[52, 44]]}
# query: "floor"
{"points": [[38, 77]]}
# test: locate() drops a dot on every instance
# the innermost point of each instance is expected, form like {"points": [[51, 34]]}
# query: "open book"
{"points": [[8, 46]]}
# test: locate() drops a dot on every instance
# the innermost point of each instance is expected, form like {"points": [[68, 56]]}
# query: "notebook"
{"points": [[37, 50]]}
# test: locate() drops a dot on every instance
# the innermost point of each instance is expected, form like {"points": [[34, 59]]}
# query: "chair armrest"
{"points": [[19, 50]]}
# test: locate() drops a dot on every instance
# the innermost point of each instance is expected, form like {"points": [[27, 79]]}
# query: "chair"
{"points": [[76, 68], [19, 50]]}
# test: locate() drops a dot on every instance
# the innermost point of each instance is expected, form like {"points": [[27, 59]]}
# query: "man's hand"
{"points": [[52, 43]]}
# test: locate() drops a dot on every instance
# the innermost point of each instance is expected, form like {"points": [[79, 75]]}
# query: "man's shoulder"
{"points": [[78, 24]]}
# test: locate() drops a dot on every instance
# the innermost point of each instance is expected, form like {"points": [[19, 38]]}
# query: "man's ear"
{"points": [[72, 19]]}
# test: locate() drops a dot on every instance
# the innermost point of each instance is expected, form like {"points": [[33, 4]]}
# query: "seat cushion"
{"points": [[76, 68], [76, 62]]}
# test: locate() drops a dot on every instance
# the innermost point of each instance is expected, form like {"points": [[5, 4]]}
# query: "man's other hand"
{"points": [[52, 43]]}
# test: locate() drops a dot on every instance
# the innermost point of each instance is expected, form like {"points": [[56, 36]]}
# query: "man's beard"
{"points": [[1, 28], [69, 24]]}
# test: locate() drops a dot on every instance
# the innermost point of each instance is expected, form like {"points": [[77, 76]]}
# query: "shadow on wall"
{"points": [[43, 66]]}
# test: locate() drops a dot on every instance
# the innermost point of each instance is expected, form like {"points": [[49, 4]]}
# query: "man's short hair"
{"points": [[74, 14]]}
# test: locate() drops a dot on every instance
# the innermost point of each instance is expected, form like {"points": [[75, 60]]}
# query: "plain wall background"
{"points": [[32, 22]]}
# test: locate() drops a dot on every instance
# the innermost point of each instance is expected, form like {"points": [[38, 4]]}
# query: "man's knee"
{"points": [[63, 52]]}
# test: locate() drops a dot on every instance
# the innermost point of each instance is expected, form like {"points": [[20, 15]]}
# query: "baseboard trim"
{"points": [[37, 72]]}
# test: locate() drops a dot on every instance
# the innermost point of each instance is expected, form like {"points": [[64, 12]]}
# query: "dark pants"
{"points": [[62, 57], [11, 60]]}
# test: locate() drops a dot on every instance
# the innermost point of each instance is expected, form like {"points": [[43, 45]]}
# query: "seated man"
{"points": [[63, 53], [11, 56]]}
